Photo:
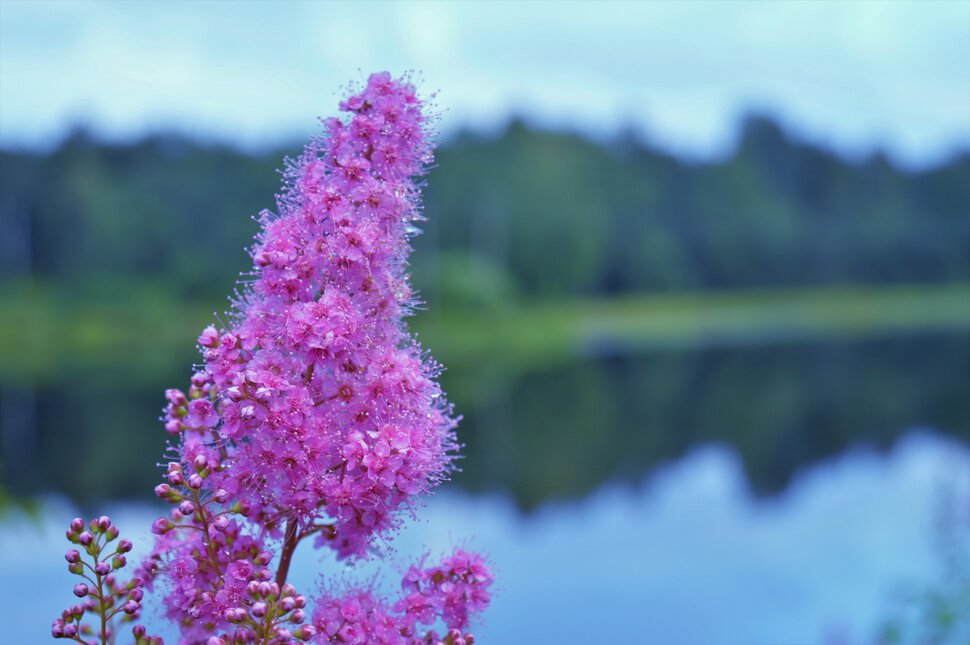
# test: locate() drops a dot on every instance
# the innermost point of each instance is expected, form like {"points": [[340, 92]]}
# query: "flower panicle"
{"points": [[314, 413]]}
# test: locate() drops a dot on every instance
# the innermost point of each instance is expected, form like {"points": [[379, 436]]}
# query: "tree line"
{"points": [[526, 213]]}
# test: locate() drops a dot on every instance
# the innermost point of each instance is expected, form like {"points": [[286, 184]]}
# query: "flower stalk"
{"points": [[315, 413]]}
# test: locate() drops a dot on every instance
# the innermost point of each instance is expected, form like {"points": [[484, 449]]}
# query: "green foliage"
{"points": [[556, 214]]}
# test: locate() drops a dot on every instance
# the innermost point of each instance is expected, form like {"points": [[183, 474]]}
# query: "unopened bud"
{"points": [[162, 525]]}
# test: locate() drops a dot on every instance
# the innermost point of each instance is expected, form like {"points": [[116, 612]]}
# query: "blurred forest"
{"points": [[584, 295], [528, 213]]}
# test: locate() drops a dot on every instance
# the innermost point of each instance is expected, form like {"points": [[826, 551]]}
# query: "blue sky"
{"points": [[857, 75]]}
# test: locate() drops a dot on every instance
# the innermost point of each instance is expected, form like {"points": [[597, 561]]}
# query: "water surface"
{"points": [[687, 555]]}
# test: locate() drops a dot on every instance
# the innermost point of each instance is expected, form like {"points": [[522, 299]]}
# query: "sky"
{"points": [[853, 75]]}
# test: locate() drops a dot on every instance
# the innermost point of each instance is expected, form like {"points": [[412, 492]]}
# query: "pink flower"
{"points": [[315, 412]]}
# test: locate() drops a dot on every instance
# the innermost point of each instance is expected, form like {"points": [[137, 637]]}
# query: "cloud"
{"points": [[859, 74]]}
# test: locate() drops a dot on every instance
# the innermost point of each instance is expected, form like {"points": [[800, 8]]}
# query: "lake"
{"points": [[777, 492], [685, 556]]}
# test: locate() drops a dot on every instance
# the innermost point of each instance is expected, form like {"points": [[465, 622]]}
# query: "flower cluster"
{"points": [[316, 402], [451, 592], [315, 412], [107, 600]]}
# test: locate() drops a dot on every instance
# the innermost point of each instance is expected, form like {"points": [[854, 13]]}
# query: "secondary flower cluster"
{"points": [[107, 600], [452, 592], [315, 413]]}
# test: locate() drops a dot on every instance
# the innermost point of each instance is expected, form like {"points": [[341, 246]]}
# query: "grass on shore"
{"points": [[44, 332]]}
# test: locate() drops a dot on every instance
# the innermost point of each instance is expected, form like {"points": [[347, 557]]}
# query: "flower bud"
{"points": [[195, 481], [242, 507], [305, 632], [119, 561], [162, 525], [138, 631], [221, 496], [102, 568], [85, 538], [72, 556], [124, 546], [259, 609], [186, 508], [209, 337], [80, 590], [77, 525]]}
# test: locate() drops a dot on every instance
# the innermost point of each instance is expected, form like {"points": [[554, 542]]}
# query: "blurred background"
{"points": [[699, 273]]}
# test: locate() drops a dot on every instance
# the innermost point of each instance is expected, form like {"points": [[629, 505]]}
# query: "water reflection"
{"points": [[558, 431], [563, 431], [686, 556]]}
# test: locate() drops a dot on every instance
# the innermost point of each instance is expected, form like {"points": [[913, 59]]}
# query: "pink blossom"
{"points": [[315, 413]]}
